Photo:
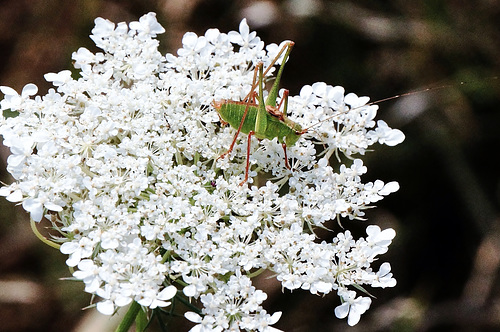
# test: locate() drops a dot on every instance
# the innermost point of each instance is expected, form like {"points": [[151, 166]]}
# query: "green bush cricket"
{"points": [[263, 120]]}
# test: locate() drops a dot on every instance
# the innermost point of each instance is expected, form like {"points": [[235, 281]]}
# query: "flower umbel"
{"points": [[124, 161]]}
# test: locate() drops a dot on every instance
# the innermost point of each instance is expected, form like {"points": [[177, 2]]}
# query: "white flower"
{"points": [[12, 99], [77, 250], [147, 25], [328, 96], [192, 44], [21, 148], [88, 272], [59, 78], [11, 193], [384, 277], [387, 135], [124, 160], [106, 307], [353, 307], [244, 38], [159, 299], [378, 237], [205, 324], [35, 206]]}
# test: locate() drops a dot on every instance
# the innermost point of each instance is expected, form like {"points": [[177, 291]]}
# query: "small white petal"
{"points": [[389, 188], [189, 40], [189, 290], [34, 207], [193, 317], [167, 293], [53, 207], [106, 307], [274, 318], [8, 91], [16, 196], [29, 90], [69, 247], [342, 310]]}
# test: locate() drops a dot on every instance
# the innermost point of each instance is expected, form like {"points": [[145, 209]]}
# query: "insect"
{"points": [[264, 120]]}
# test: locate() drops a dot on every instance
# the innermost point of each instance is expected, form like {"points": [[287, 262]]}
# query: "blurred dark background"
{"points": [[446, 254]]}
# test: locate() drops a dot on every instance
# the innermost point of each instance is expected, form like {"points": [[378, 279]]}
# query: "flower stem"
{"points": [[41, 237], [141, 321], [256, 273], [129, 318]]}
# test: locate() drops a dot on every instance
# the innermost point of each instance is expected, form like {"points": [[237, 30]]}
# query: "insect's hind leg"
{"points": [[287, 165], [248, 99], [247, 168]]}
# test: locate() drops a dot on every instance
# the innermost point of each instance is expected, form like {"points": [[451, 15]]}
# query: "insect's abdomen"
{"points": [[232, 113], [277, 128]]}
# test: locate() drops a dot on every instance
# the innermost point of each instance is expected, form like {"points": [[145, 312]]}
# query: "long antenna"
{"points": [[444, 86]]}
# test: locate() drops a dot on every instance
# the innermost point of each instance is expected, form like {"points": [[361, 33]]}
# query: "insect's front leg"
{"points": [[260, 123], [281, 115], [261, 118], [276, 111]]}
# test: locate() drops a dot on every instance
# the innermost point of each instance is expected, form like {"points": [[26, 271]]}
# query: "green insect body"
{"points": [[287, 131], [263, 120]]}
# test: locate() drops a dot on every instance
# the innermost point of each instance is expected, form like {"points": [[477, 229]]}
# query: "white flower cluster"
{"points": [[123, 160]]}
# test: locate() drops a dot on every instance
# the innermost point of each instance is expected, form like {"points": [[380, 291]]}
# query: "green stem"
{"points": [[255, 273], [188, 304], [129, 318], [141, 321], [166, 256], [41, 237]]}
